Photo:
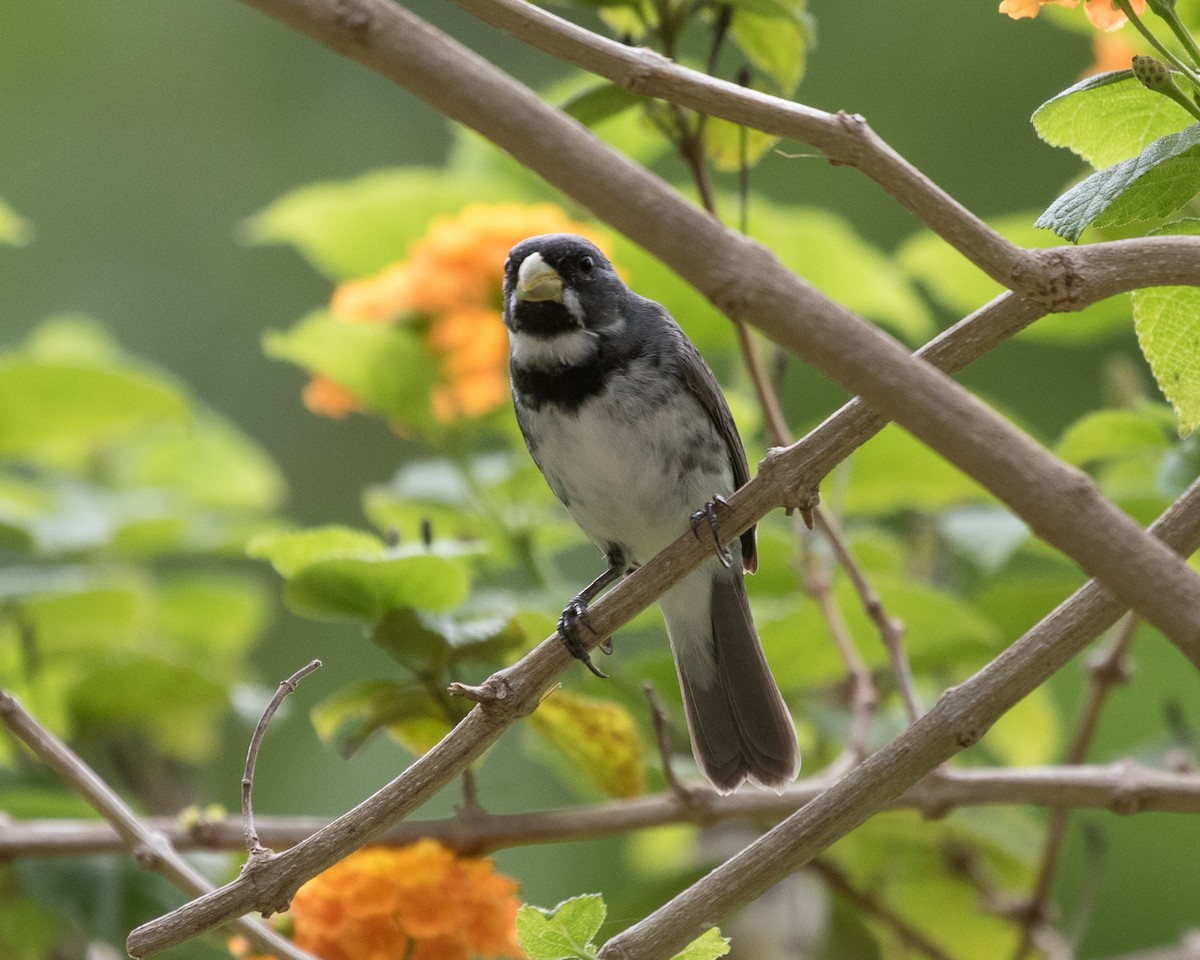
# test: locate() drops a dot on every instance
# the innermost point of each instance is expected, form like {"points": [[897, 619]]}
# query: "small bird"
{"points": [[631, 431]]}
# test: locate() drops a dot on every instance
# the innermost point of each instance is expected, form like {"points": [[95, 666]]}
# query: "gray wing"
{"points": [[702, 382]]}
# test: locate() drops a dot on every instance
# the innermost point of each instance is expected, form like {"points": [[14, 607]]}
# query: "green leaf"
{"points": [[13, 229], [366, 589], [961, 287], [1115, 434], [353, 228], [348, 719], [289, 553], [826, 250], [564, 933], [1108, 118], [708, 946], [210, 619], [1167, 322], [55, 409], [729, 145], [930, 484], [384, 366], [1027, 735], [776, 42], [600, 103], [988, 535], [210, 462], [1154, 184]]}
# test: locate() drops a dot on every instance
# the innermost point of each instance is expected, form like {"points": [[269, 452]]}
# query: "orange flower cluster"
{"points": [[451, 287], [420, 902], [1104, 14]]}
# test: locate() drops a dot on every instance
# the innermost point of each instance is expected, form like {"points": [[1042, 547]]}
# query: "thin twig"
{"points": [[662, 735], [151, 848], [1108, 668], [891, 630], [906, 933], [1125, 787], [253, 847]]}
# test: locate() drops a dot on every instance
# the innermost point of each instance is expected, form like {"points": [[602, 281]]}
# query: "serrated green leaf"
{"points": [[50, 408], [600, 103], [384, 366], [353, 228], [13, 229], [291, 552], [1108, 118], [1167, 323], [961, 287], [365, 589], [708, 946], [564, 933], [1113, 434], [1154, 184]]}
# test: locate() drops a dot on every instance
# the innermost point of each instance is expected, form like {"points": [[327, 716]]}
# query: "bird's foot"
{"points": [[574, 617], [709, 513]]}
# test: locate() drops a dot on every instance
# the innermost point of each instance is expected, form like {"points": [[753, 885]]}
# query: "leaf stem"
{"points": [[1141, 28], [1166, 11]]}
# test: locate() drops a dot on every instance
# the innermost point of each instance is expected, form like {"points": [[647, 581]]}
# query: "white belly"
{"points": [[632, 474]]}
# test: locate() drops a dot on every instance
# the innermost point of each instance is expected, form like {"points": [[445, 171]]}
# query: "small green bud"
{"points": [[1152, 74]]}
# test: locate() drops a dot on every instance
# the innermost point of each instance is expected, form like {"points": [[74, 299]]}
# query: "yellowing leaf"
{"points": [[598, 737], [1029, 734]]}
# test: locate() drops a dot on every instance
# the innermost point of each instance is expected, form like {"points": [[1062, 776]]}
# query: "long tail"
{"points": [[740, 727]]}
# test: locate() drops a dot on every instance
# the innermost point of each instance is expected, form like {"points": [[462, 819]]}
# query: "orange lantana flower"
{"points": [[1104, 14], [450, 288], [420, 902]]}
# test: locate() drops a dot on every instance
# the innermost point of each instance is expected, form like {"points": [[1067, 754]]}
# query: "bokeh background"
{"points": [[137, 135]]}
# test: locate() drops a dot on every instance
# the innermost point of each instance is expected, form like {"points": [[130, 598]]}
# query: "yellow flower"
{"points": [[1104, 14], [450, 289], [420, 902]]}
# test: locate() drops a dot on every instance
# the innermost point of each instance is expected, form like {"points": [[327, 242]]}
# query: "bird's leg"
{"points": [[709, 512], [576, 612]]}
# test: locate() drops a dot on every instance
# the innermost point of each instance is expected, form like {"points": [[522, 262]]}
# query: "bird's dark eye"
{"points": [[586, 264]]}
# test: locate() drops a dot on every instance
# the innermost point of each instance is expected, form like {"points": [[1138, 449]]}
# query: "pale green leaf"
{"points": [[1114, 434], [349, 718], [776, 42], [708, 946], [1027, 735], [1167, 322], [55, 408], [825, 249], [564, 933], [730, 145], [384, 366], [291, 552], [366, 589], [599, 103], [1108, 118], [353, 228], [1149, 186]]}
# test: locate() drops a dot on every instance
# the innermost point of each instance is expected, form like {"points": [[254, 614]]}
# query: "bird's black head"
{"points": [[560, 283]]}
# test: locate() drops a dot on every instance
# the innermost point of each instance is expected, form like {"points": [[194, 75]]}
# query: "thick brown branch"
{"points": [[745, 280], [960, 717]]}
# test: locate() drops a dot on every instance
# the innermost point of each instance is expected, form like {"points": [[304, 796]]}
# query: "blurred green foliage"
{"points": [[128, 609]]}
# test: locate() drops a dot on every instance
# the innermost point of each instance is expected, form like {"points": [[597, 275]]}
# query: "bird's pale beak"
{"points": [[537, 280]]}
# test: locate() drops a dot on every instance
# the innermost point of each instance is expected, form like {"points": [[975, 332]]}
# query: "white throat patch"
{"points": [[568, 349]]}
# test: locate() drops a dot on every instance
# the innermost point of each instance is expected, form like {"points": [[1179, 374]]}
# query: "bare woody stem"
{"points": [[1059, 503], [150, 847], [253, 846]]}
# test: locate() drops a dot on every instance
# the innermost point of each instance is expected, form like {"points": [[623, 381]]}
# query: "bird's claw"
{"points": [[709, 513], [574, 614]]}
